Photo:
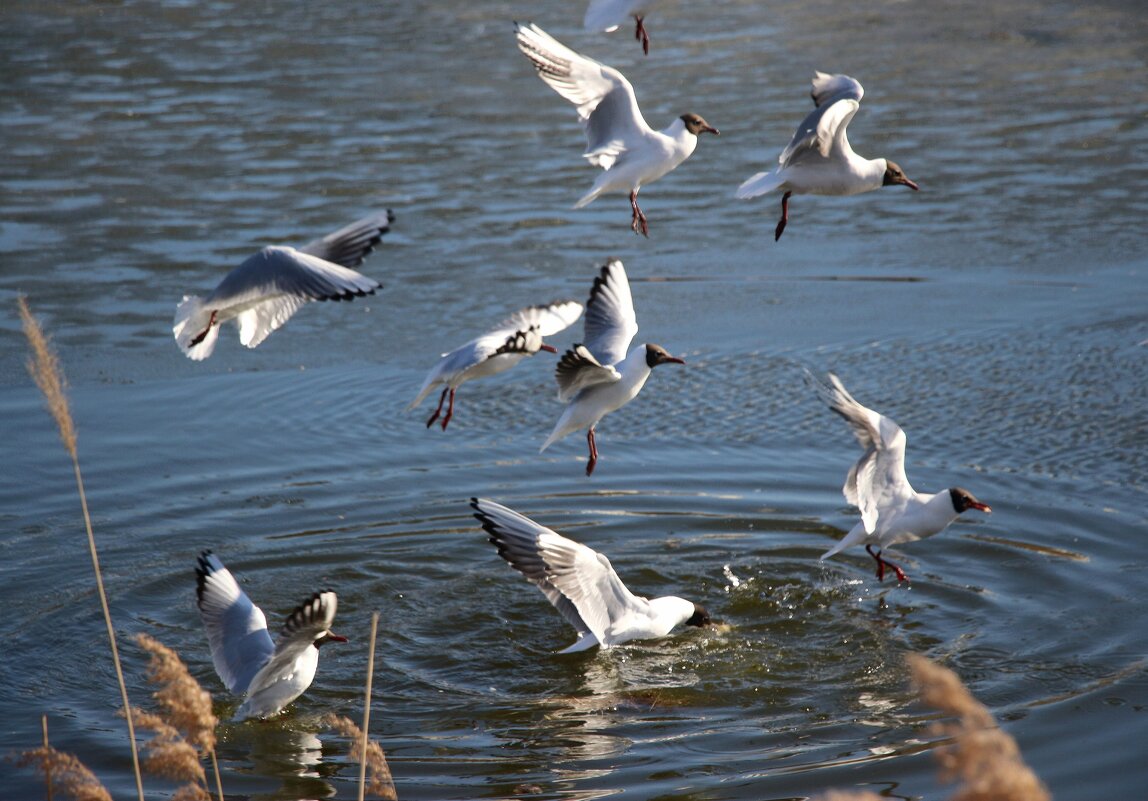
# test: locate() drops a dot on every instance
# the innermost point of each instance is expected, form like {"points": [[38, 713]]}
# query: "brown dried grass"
{"points": [[185, 731], [44, 367], [368, 753], [984, 759], [64, 772]]}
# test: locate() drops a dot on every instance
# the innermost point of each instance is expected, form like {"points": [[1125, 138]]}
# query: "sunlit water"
{"points": [[999, 315]]}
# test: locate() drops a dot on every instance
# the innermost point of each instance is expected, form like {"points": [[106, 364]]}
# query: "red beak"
{"points": [[548, 348]]}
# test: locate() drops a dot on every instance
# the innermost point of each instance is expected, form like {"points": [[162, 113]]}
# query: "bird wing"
{"points": [[607, 15], [821, 134], [577, 580], [236, 628], [270, 286], [604, 98], [350, 245], [610, 323], [547, 318], [578, 369], [302, 627], [878, 478]]}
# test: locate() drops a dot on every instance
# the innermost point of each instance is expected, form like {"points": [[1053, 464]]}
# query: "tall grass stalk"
{"points": [[64, 772], [44, 368], [367, 707]]}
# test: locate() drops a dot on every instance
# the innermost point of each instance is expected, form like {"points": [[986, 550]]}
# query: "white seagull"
{"points": [[819, 160], [618, 138], [268, 674], [891, 510], [598, 376], [263, 292], [581, 584], [518, 336], [608, 15]]}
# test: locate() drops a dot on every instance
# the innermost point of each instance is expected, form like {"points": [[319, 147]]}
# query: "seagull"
{"points": [[518, 336], [263, 292], [819, 160], [618, 138], [581, 584], [269, 675], [598, 376], [891, 510], [608, 15]]}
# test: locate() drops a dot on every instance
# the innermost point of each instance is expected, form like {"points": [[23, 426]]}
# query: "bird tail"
{"points": [[856, 536], [760, 184], [589, 197], [193, 321]]}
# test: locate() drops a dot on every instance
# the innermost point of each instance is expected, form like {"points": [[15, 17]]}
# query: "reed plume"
{"points": [[64, 772], [45, 370], [985, 760], [185, 730], [370, 754]]}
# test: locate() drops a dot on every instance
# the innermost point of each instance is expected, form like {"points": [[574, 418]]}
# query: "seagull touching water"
{"points": [[891, 510], [269, 675], [598, 376], [499, 349], [618, 138], [581, 583], [263, 292], [819, 160]]}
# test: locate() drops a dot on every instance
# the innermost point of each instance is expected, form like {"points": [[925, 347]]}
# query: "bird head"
{"points": [[963, 500], [895, 175], [696, 125]]}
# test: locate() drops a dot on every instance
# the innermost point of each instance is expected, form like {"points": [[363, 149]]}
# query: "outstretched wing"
{"points": [[236, 628], [604, 98], [821, 135], [878, 478], [610, 323], [578, 369], [348, 246]]}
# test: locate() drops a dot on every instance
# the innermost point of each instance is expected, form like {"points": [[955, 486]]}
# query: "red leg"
{"points": [[882, 563], [203, 335], [639, 219], [593, 451], [641, 35], [784, 218], [438, 411], [449, 411]]}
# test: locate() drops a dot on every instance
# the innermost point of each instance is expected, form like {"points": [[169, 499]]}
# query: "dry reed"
{"points": [[186, 729], [369, 754], [45, 370], [64, 772], [985, 760]]}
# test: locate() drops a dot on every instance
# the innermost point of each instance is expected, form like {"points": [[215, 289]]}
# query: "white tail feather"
{"points": [[760, 184]]}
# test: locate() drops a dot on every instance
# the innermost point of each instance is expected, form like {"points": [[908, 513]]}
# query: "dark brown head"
{"points": [[895, 175], [700, 617], [963, 500], [696, 125], [656, 354]]}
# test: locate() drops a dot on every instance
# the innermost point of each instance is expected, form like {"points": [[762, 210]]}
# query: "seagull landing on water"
{"points": [[891, 510], [496, 351], [263, 292], [618, 138], [819, 160], [598, 376], [269, 675], [581, 583], [609, 15]]}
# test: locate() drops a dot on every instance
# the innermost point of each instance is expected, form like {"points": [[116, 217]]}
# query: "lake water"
{"points": [[1000, 315]]}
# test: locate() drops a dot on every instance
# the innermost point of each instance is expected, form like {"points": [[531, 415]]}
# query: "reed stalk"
{"points": [[45, 370], [368, 753], [64, 772]]}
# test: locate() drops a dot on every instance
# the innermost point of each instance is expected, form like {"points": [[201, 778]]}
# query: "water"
{"points": [[998, 315]]}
